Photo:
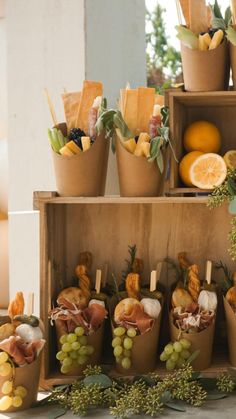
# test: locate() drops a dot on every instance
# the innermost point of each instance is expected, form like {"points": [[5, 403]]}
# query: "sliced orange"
{"points": [[185, 164], [230, 159], [208, 171]]}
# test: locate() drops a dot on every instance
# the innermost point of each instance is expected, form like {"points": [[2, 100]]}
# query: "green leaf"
{"points": [[232, 206], [166, 397], [228, 16], [231, 35], [216, 395], [209, 384], [217, 11], [187, 37], [218, 23], [160, 162], [102, 379], [231, 185], [175, 405], [193, 356], [56, 413]]}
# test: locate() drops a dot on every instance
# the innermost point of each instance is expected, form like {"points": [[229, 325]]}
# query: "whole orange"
{"points": [[185, 164], [202, 136]]}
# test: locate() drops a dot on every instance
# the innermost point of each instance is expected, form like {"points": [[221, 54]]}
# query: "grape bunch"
{"points": [[13, 396], [74, 350], [175, 354], [122, 344]]}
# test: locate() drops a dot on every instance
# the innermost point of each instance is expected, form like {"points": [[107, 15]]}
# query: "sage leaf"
{"points": [[228, 16], [103, 380], [231, 35], [178, 406], [57, 413], [218, 23], [166, 397], [232, 206], [193, 356], [216, 395], [217, 11], [187, 37], [160, 162], [231, 185]]}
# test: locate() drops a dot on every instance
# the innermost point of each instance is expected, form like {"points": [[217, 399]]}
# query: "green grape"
{"points": [[185, 354], [7, 387], [131, 332], [71, 338], [128, 343], [116, 341], [20, 391], [82, 359], [79, 331], [63, 339], [164, 356], [185, 343], [75, 346], [83, 340], [5, 403], [66, 347], [67, 362], [174, 356], [5, 369], [170, 365], [118, 359], [117, 350], [127, 353], [119, 331], [65, 369], [169, 349], [73, 354], [90, 349], [17, 401], [126, 363], [3, 357], [177, 347], [180, 362], [82, 350], [61, 355]]}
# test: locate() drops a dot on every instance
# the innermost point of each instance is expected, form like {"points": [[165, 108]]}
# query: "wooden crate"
{"points": [[161, 227], [187, 107]]}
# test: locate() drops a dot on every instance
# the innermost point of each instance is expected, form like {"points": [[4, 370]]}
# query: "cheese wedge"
{"points": [[73, 147], [131, 109], [216, 40], [65, 151], [146, 101], [130, 145], [91, 89], [207, 38], [85, 143], [145, 148], [202, 45], [143, 137], [71, 103]]}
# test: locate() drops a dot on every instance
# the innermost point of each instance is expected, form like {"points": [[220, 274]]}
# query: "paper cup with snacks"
{"points": [[204, 50], [135, 322], [79, 154], [141, 141], [229, 300], [79, 321], [231, 36], [21, 344], [192, 319]]}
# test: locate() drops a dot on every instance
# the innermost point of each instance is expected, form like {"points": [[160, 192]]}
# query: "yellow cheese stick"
{"points": [[207, 38], [85, 143], [73, 147], [202, 44], [65, 151], [145, 148], [143, 137], [216, 40], [129, 144]]}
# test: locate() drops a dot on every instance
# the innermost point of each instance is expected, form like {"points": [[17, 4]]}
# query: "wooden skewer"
{"points": [[98, 280], [178, 11], [51, 107], [30, 304], [208, 271]]}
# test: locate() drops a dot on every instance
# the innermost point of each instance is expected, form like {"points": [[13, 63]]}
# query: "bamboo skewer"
{"points": [[178, 11], [98, 280], [208, 271], [51, 107], [30, 304]]}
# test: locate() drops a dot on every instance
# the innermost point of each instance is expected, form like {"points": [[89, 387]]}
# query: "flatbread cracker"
{"points": [[184, 4], [91, 89], [198, 14], [146, 101], [130, 114], [71, 103]]}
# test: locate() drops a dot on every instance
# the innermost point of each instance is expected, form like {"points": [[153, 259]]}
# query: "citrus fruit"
{"points": [[230, 159], [185, 164], [208, 171], [202, 136]]}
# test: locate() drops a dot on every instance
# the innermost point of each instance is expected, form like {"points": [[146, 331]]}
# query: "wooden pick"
{"points": [[30, 304], [51, 107], [153, 281], [208, 271], [98, 280]]}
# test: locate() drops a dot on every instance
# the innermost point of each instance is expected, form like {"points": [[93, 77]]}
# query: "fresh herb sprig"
{"points": [[218, 20]]}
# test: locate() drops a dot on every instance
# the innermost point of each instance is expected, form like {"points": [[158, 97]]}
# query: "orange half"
{"points": [[208, 171]]}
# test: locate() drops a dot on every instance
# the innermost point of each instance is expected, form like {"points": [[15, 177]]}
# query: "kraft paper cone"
{"points": [[144, 350], [95, 339], [202, 341], [83, 174], [137, 176], [231, 331], [28, 377], [232, 50], [205, 71]]}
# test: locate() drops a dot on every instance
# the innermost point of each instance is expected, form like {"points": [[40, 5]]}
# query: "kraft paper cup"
{"points": [[202, 341], [95, 339], [28, 377], [205, 71], [137, 176], [232, 50], [231, 331], [144, 350], [83, 174]]}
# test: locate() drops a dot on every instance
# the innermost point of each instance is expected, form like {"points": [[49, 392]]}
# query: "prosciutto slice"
{"points": [[20, 351], [192, 319], [137, 319]]}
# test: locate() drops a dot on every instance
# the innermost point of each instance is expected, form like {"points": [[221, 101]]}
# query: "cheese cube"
{"points": [[73, 147], [85, 143], [65, 151]]}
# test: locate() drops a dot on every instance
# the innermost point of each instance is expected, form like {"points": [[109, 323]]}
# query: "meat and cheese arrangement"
{"points": [[136, 324], [193, 311], [79, 320], [21, 343], [81, 112]]}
